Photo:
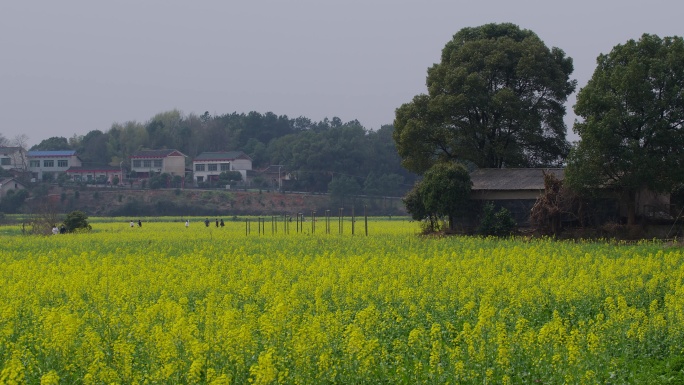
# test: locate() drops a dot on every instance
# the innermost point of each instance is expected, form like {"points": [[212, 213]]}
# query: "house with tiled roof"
{"points": [[517, 189], [13, 158], [510, 183], [95, 174], [9, 184], [49, 164], [146, 163], [207, 166]]}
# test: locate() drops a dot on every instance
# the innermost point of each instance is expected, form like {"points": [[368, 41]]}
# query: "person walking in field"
{"points": [[187, 223], [222, 224], [132, 223], [206, 222], [217, 225], [139, 223]]}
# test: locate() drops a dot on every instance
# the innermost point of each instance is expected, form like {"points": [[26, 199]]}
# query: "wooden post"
{"points": [[353, 220], [313, 221]]}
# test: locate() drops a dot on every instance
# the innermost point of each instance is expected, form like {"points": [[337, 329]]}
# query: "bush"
{"points": [[13, 200], [77, 221], [499, 224]]}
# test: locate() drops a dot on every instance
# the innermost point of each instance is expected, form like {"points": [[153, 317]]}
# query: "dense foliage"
{"points": [[11, 202], [311, 152], [445, 191], [496, 99], [632, 132], [496, 223], [167, 304], [77, 221]]}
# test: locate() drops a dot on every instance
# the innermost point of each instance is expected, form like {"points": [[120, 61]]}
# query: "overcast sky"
{"points": [[69, 67]]}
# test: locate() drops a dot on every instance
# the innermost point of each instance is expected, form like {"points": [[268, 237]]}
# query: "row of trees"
{"points": [[316, 154], [496, 100]]}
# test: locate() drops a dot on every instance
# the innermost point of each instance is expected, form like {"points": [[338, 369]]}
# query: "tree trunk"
{"points": [[631, 208]]}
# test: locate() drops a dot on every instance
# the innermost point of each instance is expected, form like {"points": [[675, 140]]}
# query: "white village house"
{"points": [[45, 164], [207, 166], [13, 158], [147, 163]]}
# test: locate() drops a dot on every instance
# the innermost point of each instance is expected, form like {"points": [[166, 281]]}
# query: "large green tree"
{"points": [[55, 143], [496, 99], [92, 148], [632, 110]]}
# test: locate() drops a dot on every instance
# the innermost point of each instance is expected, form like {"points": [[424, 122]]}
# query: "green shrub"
{"points": [[499, 224], [77, 221]]}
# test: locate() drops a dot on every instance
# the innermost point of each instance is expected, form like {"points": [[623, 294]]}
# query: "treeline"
{"points": [[314, 153]]}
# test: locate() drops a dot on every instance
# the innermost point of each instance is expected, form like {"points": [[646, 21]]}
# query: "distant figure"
{"points": [[139, 223], [132, 223], [55, 230], [206, 222], [187, 223], [222, 224], [62, 229], [217, 222]]}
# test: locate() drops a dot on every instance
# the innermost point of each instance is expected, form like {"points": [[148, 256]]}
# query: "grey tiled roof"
{"points": [[512, 178], [157, 153], [8, 150]]}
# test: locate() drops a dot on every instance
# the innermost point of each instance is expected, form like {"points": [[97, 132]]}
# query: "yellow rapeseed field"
{"points": [[166, 304]]}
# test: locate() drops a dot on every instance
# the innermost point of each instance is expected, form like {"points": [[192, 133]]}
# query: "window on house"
{"points": [[62, 163], [199, 167], [147, 163], [34, 163], [48, 163], [200, 179], [6, 161], [157, 163], [225, 166], [137, 163], [212, 166]]}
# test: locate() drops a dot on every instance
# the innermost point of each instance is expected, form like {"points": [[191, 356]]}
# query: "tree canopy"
{"points": [[444, 191], [55, 143], [631, 135], [311, 152], [496, 99], [76, 220]]}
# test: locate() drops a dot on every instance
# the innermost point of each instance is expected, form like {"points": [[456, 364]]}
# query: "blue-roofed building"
{"points": [[46, 165]]}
